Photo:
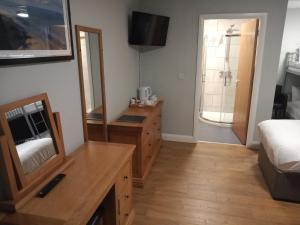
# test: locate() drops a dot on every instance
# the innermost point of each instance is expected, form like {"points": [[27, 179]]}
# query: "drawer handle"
{"points": [[127, 196], [127, 214], [125, 177], [150, 145], [148, 133]]}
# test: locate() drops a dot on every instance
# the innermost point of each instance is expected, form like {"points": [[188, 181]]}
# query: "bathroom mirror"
{"points": [[33, 139], [92, 84]]}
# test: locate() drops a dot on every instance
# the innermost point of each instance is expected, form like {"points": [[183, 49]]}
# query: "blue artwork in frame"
{"points": [[35, 31]]}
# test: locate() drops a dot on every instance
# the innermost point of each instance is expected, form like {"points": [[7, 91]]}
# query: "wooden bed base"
{"points": [[283, 186]]}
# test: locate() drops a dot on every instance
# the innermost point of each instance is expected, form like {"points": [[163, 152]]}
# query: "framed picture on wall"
{"points": [[33, 31]]}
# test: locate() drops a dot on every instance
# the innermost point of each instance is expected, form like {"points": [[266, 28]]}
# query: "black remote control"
{"points": [[45, 190]]}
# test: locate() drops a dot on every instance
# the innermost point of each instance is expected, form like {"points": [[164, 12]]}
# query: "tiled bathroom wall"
{"points": [[215, 96]]}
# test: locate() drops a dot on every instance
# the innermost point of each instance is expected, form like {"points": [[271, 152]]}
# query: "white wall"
{"points": [[60, 80], [160, 67], [291, 39]]}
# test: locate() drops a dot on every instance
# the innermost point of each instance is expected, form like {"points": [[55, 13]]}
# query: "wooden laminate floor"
{"points": [[209, 184]]}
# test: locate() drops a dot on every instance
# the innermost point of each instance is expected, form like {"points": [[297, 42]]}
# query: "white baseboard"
{"points": [[255, 145], [178, 138], [190, 139]]}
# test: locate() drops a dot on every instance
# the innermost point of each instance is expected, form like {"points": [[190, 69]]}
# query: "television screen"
{"points": [[148, 29]]}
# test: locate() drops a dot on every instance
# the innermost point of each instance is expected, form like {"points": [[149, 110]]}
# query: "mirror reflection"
{"points": [[91, 75], [31, 133]]}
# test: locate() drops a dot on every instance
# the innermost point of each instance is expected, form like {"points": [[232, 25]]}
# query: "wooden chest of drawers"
{"points": [[146, 136]]}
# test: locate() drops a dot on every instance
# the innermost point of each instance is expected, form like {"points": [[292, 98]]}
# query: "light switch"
{"points": [[181, 76]]}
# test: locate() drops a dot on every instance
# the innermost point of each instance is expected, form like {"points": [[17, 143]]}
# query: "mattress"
{"points": [[281, 140], [34, 153], [293, 109]]}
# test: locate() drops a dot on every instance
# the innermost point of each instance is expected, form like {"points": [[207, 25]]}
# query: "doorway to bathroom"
{"points": [[227, 65]]}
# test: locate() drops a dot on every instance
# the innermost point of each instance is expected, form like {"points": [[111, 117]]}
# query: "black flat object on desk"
{"points": [[52, 184], [131, 119], [94, 116]]}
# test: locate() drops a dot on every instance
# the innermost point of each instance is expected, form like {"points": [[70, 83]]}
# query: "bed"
{"points": [[279, 158], [34, 153]]}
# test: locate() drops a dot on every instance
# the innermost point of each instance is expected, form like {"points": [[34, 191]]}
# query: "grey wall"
{"points": [[291, 39], [160, 67], [60, 80]]}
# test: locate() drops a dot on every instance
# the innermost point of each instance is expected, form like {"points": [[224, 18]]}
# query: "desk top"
{"points": [[87, 182]]}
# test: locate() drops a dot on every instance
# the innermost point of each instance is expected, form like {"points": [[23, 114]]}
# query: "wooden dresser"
{"points": [[146, 136], [99, 177], [96, 130]]}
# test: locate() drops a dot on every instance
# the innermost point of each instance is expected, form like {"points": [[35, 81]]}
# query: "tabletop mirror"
{"points": [[31, 133], [34, 145], [92, 83]]}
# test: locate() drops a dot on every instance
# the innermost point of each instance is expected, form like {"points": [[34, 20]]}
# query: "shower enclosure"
{"points": [[221, 44]]}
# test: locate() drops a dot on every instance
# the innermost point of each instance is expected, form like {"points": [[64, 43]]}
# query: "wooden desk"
{"points": [[146, 136], [100, 172]]}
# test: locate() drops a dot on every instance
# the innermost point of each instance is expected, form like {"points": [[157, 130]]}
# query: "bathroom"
{"points": [[220, 63]]}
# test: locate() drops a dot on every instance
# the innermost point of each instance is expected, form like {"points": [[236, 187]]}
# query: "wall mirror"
{"points": [[34, 144], [92, 83]]}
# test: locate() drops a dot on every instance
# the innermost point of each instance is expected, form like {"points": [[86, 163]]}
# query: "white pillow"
{"points": [[295, 93]]}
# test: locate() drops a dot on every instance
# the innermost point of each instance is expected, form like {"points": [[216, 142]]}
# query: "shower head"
{"points": [[231, 30]]}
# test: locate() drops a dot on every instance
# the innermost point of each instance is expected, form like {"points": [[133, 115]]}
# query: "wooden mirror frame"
{"points": [[20, 183], [78, 29]]}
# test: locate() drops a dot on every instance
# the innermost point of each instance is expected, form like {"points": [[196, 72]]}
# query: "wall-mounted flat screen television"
{"points": [[148, 29]]}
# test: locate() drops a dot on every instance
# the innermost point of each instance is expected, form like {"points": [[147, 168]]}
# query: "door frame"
{"points": [[257, 75]]}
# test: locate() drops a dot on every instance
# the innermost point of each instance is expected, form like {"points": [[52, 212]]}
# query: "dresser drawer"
{"points": [[124, 193], [124, 180], [147, 134], [147, 146], [157, 121], [125, 207]]}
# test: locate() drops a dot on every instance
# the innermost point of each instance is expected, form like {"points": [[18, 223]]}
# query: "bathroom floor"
{"points": [[213, 133], [217, 116]]}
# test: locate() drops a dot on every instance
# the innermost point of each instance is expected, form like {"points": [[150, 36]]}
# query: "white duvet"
{"points": [[34, 153], [281, 140]]}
